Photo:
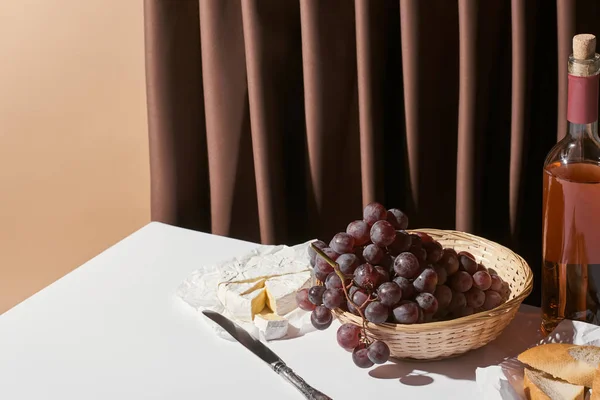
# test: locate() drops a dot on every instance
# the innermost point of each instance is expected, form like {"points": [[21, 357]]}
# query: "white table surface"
{"points": [[114, 329]]}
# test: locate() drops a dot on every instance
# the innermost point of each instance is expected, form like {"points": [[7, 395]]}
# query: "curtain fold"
{"points": [[277, 120]]}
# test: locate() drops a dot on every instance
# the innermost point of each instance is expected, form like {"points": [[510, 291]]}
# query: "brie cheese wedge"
{"points": [[281, 291], [243, 300], [271, 325]]}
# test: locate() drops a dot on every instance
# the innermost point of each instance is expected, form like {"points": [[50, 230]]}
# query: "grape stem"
{"points": [[339, 273]]}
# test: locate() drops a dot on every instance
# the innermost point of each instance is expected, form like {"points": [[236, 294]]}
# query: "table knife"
{"points": [[267, 355]]}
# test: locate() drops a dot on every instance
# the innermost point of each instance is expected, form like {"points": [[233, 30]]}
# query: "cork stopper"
{"points": [[584, 61], [584, 46]]}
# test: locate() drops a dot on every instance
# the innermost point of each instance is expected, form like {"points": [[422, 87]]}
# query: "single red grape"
{"points": [[374, 212], [406, 313], [373, 254], [348, 336], [426, 281], [315, 295], [397, 218], [360, 356], [461, 281], [382, 233], [360, 231], [347, 263], [342, 243], [443, 294], [366, 276], [389, 293], [378, 352], [482, 280], [407, 265], [376, 312], [475, 297]]}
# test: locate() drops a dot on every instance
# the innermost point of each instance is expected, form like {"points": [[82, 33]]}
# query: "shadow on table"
{"points": [[519, 335]]}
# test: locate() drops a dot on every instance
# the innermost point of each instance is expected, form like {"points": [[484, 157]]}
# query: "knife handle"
{"points": [[308, 391]]}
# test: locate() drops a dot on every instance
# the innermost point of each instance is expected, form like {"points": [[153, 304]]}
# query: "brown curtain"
{"points": [[277, 120]]}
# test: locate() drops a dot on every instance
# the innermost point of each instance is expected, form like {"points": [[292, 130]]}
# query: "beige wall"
{"points": [[74, 175]]}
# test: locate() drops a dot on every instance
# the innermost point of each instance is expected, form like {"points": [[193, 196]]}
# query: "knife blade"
{"points": [[266, 354]]}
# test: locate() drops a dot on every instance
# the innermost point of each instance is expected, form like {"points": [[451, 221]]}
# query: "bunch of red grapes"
{"points": [[382, 273]]}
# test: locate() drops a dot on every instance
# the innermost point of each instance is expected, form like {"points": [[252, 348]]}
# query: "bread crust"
{"points": [[596, 385], [555, 359]]}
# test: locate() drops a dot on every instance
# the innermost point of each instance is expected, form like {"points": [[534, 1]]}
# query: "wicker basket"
{"points": [[445, 339]]}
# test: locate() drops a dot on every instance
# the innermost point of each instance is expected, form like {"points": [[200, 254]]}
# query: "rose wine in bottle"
{"points": [[571, 200]]}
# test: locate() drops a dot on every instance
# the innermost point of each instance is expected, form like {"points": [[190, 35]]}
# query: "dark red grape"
{"points": [[373, 254], [443, 294], [425, 237], [442, 274], [303, 301], [321, 263], [481, 267], [333, 298], [482, 280], [427, 302], [348, 336], [382, 233], [360, 231], [333, 281], [463, 311], [458, 301], [467, 263], [406, 313], [492, 300], [384, 276], [347, 263], [466, 253], [461, 281], [323, 271], [496, 283], [434, 251], [359, 298], [421, 254], [342, 243], [315, 295], [366, 276], [376, 312], [374, 212], [407, 265], [449, 261], [397, 218], [321, 318], [426, 281], [360, 356], [475, 297], [400, 244], [389, 293], [378, 352], [312, 253], [406, 286]]}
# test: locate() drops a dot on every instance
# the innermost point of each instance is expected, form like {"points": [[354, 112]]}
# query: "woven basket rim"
{"points": [[469, 319]]}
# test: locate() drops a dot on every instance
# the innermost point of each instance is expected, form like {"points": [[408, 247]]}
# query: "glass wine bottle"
{"points": [[571, 200]]}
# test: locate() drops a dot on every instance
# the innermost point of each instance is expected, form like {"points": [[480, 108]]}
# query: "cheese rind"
{"points": [[281, 291], [271, 325], [279, 261]]}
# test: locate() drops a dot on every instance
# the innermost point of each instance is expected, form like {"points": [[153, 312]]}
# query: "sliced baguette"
{"points": [[571, 363], [541, 386]]}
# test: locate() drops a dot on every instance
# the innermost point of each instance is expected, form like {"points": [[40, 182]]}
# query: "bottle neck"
{"points": [[580, 131], [582, 103]]}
